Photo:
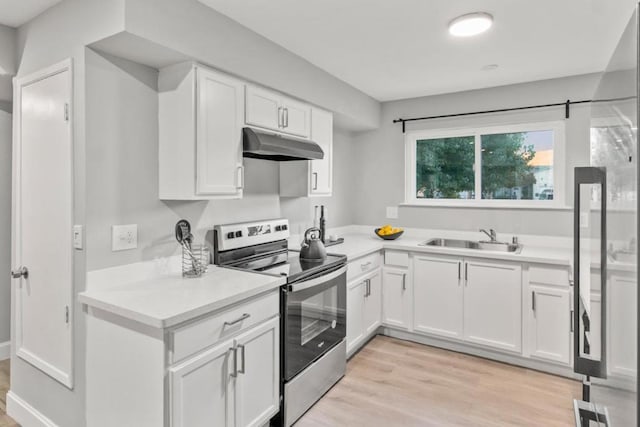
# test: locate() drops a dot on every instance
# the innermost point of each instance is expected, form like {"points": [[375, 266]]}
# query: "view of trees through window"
{"points": [[513, 166]]}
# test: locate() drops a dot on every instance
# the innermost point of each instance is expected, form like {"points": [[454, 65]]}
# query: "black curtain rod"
{"points": [[566, 105]]}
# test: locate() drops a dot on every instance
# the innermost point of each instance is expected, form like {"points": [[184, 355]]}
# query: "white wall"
{"points": [[122, 172], [383, 150], [5, 225], [8, 65]]}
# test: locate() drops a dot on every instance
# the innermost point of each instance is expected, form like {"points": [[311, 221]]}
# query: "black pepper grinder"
{"points": [[323, 224]]}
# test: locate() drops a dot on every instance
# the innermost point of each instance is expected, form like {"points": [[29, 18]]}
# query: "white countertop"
{"points": [[168, 300]]}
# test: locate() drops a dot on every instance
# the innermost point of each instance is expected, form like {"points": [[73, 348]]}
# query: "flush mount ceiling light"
{"points": [[470, 24]]}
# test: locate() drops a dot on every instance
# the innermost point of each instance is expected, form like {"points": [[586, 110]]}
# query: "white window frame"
{"points": [[559, 178]]}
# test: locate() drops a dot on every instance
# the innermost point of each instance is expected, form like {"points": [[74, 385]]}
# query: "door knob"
{"points": [[21, 272]]}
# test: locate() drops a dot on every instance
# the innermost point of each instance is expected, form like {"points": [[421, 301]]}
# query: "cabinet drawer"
{"points": [[549, 275], [206, 332], [362, 265], [397, 258]]}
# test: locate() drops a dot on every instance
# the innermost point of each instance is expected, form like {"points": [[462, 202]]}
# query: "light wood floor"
{"points": [[5, 421], [396, 383]]}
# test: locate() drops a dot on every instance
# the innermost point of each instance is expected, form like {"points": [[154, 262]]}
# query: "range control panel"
{"points": [[233, 236]]}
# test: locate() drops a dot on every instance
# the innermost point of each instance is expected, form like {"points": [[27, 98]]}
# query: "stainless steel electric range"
{"points": [[312, 308]]}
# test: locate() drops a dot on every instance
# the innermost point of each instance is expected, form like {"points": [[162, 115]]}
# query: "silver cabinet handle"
{"points": [[315, 180], [240, 184], [404, 281], [235, 361], [368, 287], [466, 274], [459, 271], [238, 320], [571, 321], [20, 272], [533, 300], [286, 117], [365, 265], [241, 347]]}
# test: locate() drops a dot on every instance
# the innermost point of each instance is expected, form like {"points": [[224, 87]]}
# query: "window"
{"points": [[506, 166]]}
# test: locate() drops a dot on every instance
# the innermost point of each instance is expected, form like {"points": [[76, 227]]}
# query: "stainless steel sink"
{"points": [[470, 244], [624, 256]]}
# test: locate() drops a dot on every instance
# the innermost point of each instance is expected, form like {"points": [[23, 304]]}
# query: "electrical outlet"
{"points": [[78, 237], [124, 237], [392, 212]]}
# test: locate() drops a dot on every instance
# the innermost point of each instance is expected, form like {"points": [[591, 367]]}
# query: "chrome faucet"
{"points": [[491, 233]]}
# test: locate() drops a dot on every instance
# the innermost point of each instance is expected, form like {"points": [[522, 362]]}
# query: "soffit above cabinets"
{"points": [[393, 50], [17, 12]]}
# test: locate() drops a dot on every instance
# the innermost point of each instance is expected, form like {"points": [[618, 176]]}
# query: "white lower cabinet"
{"points": [[492, 304], [364, 299], [622, 330], [397, 298], [201, 393], [437, 296], [550, 324], [235, 383]]}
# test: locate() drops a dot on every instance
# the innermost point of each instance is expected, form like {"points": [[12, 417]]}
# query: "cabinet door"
{"points": [[199, 389], [550, 332], [258, 379], [395, 295], [297, 118], [373, 303], [622, 327], [492, 304], [595, 322], [263, 109], [321, 170], [355, 313], [438, 296], [219, 137]]}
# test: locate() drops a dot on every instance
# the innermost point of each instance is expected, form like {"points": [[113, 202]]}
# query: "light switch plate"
{"points": [[392, 212], [78, 237], [124, 237]]}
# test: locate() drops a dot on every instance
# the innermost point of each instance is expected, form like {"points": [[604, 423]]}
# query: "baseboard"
{"points": [[5, 350], [25, 414]]}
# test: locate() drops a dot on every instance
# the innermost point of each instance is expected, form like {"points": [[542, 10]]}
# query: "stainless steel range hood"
{"points": [[259, 145]]}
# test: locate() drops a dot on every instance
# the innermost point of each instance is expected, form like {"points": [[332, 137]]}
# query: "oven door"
{"points": [[315, 318]]}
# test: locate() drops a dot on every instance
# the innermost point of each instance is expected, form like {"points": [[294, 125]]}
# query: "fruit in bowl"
{"points": [[387, 232]]}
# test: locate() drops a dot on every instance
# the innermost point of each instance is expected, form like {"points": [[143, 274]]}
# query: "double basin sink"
{"points": [[470, 244]]}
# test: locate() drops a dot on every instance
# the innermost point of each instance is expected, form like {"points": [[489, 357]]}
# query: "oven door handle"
{"points": [[306, 284]]}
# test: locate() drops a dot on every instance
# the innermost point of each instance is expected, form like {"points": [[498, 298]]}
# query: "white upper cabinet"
{"points": [[437, 290], [311, 178], [200, 119], [270, 110], [493, 304]]}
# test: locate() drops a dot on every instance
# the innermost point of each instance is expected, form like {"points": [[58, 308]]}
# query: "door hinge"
{"points": [[66, 111], [66, 314]]}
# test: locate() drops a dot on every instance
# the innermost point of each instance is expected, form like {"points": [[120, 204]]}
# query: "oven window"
{"points": [[318, 314]]}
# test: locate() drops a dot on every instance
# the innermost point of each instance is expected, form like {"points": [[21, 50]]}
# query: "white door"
{"points": [[355, 313], [219, 135], [373, 303], [550, 332], [42, 221], [263, 109], [258, 380], [200, 390], [493, 304], [438, 296], [395, 296], [622, 329], [321, 170], [297, 118]]}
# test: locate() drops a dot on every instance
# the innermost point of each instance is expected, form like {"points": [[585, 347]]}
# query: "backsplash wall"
{"points": [[122, 173]]}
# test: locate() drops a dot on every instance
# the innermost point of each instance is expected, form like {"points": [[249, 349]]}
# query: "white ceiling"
{"points": [[14, 13], [401, 49]]}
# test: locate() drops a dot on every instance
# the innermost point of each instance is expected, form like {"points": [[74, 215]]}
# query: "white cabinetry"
{"points": [[396, 297], [270, 110], [549, 307], [200, 123], [492, 304], [364, 301], [311, 178], [437, 295], [622, 329]]}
